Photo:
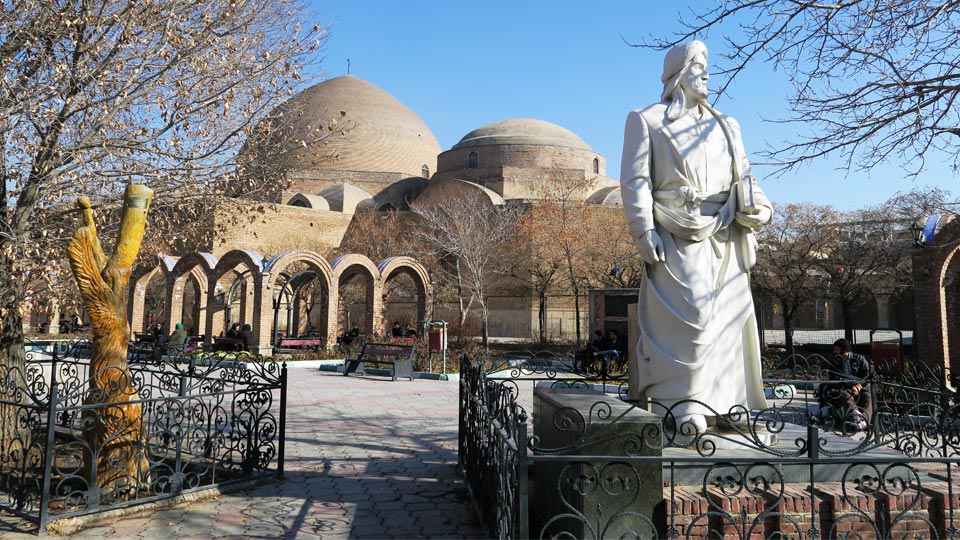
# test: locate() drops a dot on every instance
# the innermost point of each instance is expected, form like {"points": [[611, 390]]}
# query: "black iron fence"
{"points": [[169, 425], [598, 466]]}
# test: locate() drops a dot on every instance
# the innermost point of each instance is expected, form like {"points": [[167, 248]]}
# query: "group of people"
{"points": [[179, 337], [610, 350], [406, 332], [176, 339]]}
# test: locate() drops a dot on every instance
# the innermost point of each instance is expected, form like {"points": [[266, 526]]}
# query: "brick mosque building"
{"points": [[384, 159]]}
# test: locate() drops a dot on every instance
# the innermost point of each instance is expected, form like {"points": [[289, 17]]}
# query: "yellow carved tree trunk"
{"points": [[113, 431]]}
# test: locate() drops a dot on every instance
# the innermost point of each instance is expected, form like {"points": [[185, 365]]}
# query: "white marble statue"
{"points": [[693, 206]]}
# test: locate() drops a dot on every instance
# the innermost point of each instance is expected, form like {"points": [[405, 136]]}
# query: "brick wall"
{"points": [[522, 156], [278, 228], [936, 289]]}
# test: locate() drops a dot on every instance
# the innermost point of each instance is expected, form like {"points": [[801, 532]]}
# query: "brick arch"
{"points": [[936, 288], [276, 266], [256, 302], [140, 280], [194, 267], [204, 261], [250, 260], [281, 261], [394, 266], [344, 267]]}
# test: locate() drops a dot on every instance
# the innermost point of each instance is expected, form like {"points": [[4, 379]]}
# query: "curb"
{"points": [[336, 366]]}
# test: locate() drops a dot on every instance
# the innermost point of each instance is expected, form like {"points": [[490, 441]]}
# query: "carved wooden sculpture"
{"points": [[113, 432]]}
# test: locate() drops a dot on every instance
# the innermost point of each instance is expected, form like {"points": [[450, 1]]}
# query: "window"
{"points": [[473, 161], [596, 165], [425, 172]]}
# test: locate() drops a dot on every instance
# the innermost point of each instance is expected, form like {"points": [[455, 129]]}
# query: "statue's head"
{"points": [[684, 77]]}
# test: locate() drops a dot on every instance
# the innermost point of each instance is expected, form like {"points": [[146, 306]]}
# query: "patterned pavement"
{"points": [[365, 458]]}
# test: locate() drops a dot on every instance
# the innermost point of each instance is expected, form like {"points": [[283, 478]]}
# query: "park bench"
{"points": [[398, 355], [301, 343], [227, 343]]}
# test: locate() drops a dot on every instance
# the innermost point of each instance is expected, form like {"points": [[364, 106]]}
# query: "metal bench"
{"points": [[400, 356]]}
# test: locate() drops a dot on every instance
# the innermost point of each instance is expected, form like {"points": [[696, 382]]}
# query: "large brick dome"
{"points": [[524, 131], [381, 134]]}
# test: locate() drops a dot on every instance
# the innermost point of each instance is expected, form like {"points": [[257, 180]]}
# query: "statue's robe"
{"points": [[698, 330]]}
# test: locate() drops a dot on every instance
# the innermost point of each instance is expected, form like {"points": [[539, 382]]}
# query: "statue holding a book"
{"points": [[693, 206]]}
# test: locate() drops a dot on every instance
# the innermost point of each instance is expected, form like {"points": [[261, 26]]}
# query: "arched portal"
{"points": [[238, 276], [360, 299], [407, 290], [304, 295], [146, 304], [186, 294]]}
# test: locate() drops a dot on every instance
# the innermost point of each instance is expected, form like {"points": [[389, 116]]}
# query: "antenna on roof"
{"points": [[348, 66]]}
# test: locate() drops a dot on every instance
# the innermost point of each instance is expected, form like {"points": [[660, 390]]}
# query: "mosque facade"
{"points": [[386, 158]]}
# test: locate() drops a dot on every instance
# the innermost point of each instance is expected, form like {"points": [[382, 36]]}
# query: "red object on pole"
{"points": [[437, 338]]}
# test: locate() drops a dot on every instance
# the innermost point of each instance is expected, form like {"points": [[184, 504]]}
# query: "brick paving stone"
{"points": [[356, 467]]}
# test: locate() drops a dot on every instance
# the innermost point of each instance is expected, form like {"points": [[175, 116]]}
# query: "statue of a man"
{"points": [[693, 206]]}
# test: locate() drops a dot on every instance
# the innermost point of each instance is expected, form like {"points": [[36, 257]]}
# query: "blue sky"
{"points": [[461, 65]]}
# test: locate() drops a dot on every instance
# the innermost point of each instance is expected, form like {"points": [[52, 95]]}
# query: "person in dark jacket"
{"points": [[234, 331], [246, 334], [850, 395], [157, 332]]}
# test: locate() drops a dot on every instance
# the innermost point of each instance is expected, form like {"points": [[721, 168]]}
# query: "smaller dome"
{"points": [[522, 131]]}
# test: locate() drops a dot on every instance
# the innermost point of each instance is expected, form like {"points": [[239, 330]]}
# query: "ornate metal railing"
{"points": [[204, 421], [793, 470]]}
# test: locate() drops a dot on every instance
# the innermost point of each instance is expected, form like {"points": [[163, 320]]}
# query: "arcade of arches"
{"points": [[296, 292]]}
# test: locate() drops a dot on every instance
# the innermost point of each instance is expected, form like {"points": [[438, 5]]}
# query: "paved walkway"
{"points": [[366, 458]]}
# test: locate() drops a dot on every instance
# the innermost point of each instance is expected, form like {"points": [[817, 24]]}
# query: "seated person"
{"points": [[156, 332], [234, 331], [598, 342], [612, 349], [177, 339], [850, 398], [246, 334], [409, 331], [396, 331]]}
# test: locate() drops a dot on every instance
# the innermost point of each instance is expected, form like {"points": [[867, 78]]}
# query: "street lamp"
{"points": [[918, 238]]}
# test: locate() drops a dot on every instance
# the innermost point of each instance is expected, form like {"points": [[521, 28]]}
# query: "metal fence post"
{"points": [[523, 525], [283, 418], [48, 450]]}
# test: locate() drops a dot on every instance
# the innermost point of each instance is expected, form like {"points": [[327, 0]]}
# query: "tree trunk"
{"points": [[542, 317], [462, 312], [485, 331], [846, 310], [576, 313], [113, 430], [12, 361], [788, 332], [575, 288]]}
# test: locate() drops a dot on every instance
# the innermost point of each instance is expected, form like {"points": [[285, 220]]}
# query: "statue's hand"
{"points": [[755, 221], [651, 247]]}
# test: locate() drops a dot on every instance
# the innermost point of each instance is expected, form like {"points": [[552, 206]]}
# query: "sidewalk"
{"points": [[365, 458]]}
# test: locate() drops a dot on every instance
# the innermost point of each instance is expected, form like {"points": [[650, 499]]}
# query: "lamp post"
{"points": [[917, 233]]}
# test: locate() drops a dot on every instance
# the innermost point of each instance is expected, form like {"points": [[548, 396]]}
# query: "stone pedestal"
{"points": [[597, 499]]}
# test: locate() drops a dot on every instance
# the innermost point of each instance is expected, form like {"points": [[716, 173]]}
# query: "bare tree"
{"points": [[568, 225], [791, 247], [864, 255], [467, 231], [876, 81], [534, 263], [98, 94]]}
